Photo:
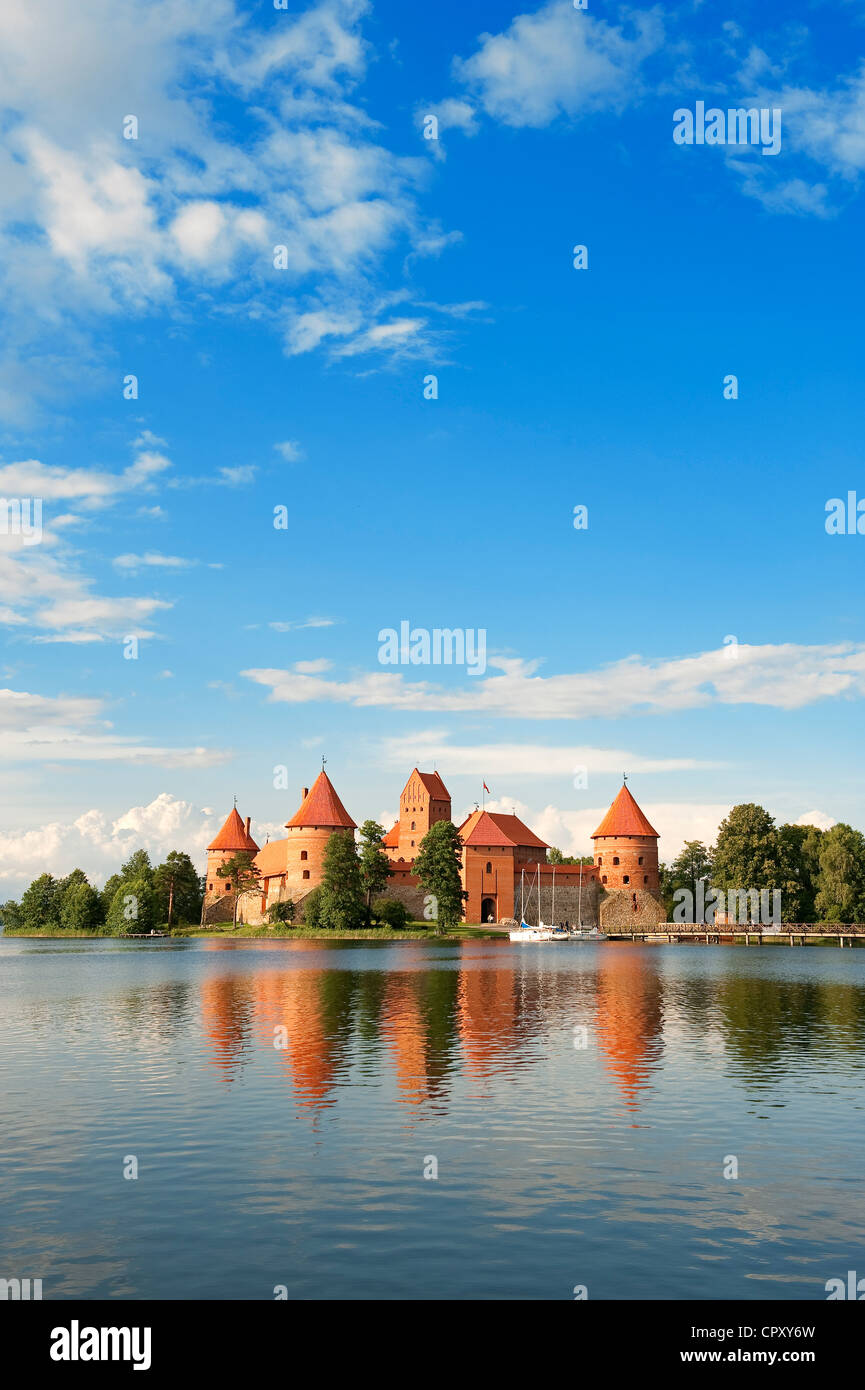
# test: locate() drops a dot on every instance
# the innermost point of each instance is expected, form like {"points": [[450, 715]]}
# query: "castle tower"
{"points": [[425, 800], [233, 838], [320, 813], [626, 848]]}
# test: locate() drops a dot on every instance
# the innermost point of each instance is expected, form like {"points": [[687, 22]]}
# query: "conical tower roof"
{"points": [[322, 806], [233, 835], [624, 818]]}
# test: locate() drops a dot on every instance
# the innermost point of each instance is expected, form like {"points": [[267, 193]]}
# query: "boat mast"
{"points": [[580, 898], [554, 896]]}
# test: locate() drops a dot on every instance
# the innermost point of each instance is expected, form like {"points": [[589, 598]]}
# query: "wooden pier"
{"points": [[788, 934]]}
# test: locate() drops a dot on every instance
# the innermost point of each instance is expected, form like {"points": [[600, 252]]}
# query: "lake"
{"points": [[574, 1106]]}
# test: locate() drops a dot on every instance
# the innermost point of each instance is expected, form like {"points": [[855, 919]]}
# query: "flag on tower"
{"points": [[486, 788]]}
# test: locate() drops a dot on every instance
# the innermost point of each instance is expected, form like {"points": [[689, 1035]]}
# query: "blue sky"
{"points": [[303, 387]]}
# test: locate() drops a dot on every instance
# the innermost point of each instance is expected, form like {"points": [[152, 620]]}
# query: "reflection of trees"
{"points": [[419, 1023], [764, 1020]]}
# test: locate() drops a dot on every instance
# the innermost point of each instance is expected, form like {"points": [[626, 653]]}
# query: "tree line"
{"points": [[140, 898], [820, 873]]}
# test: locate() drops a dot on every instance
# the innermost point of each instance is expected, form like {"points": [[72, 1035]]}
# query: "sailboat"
{"points": [[581, 933], [524, 932]]}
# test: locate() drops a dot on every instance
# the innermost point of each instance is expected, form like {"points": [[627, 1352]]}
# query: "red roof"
{"points": [[322, 806], [490, 828], [391, 839], [434, 785], [272, 859], [233, 835], [624, 818]]}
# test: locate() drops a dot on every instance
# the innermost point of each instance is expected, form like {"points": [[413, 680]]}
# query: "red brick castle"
{"points": [[504, 863]]}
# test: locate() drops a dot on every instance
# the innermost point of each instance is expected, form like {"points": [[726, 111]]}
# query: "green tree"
{"points": [[40, 904], [342, 896], [392, 912], [311, 906], [374, 863], [841, 879], [281, 913], [10, 916], [802, 845], [178, 889], [134, 908], [81, 909], [438, 866], [751, 853], [138, 865], [692, 863]]}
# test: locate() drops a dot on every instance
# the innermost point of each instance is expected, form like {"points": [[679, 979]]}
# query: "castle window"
{"points": [[640, 860], [210, 887], [303, 854], [412, 844], [615, 859], [600, 861], [489, 867], [626, 878], [604, 879], [412, 825], [645, 878], [306, 873], [228, 887]]}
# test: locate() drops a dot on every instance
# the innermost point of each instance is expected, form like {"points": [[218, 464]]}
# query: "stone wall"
{"points": [[618, 914], [568, 900]]}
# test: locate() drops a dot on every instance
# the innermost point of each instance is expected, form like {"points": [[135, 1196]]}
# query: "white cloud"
{"points": [[783, 676], [818, 818], [290, 450], [559, 62], [152, 559], [39, 728], [99, 844], [298, 626], [247, 139], [524, 760], [42, 584]]}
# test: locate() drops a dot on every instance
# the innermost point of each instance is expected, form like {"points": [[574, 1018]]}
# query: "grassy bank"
{"points": [[415, 931]]}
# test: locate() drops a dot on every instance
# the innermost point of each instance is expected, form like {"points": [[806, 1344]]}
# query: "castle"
{"points": [[504, 864]]}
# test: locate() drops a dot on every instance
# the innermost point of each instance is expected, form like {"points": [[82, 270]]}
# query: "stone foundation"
{"points": [[618, 913]]}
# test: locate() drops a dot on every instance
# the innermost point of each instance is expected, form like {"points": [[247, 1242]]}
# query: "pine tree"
{"points": [[342, 899], [178, 889], [438, 866], [374, 863]]}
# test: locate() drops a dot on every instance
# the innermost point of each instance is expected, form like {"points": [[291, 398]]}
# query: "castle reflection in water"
{"points": [[418, 1024]]}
